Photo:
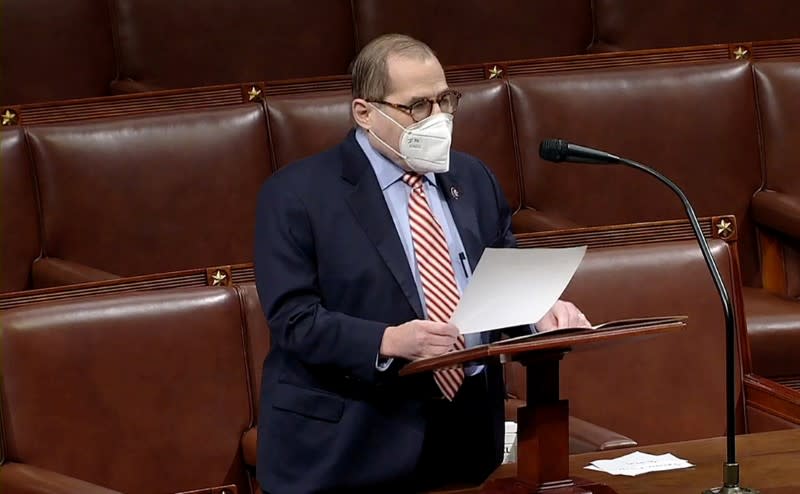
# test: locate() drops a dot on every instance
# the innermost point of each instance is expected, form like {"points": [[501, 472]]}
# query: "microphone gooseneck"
{"points": [[558, 150]]}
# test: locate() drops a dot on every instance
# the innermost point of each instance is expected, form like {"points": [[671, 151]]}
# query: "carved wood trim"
{"points": [[774, 397], [622, 235], [239, 273]]}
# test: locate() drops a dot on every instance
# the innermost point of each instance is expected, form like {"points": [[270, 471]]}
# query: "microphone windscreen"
{"points": [[553, 150]]}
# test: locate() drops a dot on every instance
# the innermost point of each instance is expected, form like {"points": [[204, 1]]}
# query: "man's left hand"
{"points": [[563, 314]]}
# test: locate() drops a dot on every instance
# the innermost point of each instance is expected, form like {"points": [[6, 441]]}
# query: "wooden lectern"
{"points": [[543, 430]]}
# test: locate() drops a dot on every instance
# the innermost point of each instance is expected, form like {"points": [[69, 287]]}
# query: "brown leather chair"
{"points": [[54, 50], [241, 41], [150, 194], [87, 48], [302, 125], [475, 31], [135, 392], [662, 389], [776, 208], [305, 124], [697, 124], [777, 205], [669, 388], [483, 128], [19, 221], [635, 25]]}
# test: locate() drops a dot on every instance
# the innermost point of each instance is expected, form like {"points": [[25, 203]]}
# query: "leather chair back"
{"points": [[303, 125], [150, 194], [483, 127], [663, 389], [475, 31], [666, 388], [634, 25], [696, 124], [55, 50], [209, 43], [151, 388]]}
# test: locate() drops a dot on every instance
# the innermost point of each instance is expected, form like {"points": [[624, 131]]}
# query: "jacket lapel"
{"points": [[369, 207], [462, 207]]}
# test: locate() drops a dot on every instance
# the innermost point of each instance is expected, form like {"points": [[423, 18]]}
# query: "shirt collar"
{"points": [[386, 171]]}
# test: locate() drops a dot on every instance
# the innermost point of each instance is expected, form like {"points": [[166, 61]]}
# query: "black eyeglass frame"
{"points": [[409, 109]]}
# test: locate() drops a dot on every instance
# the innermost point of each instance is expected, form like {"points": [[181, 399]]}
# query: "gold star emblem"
{"points": [[219, 278], [724, 228], [253, 93], [740, 53], [9, 118], [494, 72]]}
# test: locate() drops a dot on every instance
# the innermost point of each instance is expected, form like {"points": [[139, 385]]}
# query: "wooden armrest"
{"points": [[777, 211], [51, 271], [773, 398], [18, 478]]}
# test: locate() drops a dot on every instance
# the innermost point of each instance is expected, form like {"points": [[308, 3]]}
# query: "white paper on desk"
{"points": [[512, 287], [637, 463]]}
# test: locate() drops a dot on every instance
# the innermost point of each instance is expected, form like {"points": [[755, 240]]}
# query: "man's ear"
{"points": [[362, 113]]}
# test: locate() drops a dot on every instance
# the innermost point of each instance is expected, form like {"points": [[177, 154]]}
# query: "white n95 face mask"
{"points": [[424, 145]]}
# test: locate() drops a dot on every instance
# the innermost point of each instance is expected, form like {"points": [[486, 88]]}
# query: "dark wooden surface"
{"points": [[770, 463], [558, 342]]}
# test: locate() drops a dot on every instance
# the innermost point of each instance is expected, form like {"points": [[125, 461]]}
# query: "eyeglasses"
{"points": [[422, 108]]}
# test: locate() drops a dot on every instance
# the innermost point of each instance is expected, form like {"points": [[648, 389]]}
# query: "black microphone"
{"points": [[558, 150]]}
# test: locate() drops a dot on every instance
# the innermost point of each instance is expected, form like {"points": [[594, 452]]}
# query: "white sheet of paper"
{"points": [[637, 463], [512, 287]]}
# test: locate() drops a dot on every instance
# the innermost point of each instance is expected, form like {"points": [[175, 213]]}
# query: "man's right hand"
{"points": [[418, 339]]}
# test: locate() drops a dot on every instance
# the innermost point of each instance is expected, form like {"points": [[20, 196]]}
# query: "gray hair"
{"points": [[370, 74]]}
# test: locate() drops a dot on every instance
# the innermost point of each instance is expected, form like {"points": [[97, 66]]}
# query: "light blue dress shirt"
{"points": [[396, 193]]}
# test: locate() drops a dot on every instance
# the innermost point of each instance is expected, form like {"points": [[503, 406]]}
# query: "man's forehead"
{"points": [[421, 77]]}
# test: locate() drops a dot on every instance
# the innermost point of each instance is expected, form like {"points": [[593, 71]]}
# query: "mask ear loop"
{"points": [[398, 153], [387, 116], [395, 151]]}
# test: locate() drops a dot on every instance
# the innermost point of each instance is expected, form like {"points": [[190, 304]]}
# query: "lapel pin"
{"points": [[454, 193]]}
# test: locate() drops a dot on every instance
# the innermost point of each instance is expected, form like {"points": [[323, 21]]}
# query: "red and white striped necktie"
{"points": [[436, 273]]}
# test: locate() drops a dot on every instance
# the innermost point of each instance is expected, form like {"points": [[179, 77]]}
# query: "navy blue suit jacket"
{"points": [[331, 276]]}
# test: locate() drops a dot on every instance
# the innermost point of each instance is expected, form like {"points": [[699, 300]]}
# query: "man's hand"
{"points": [[562, 315], [418, 339]]}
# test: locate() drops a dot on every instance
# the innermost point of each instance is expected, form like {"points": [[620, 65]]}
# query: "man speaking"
{"points": [[361, 255]]}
